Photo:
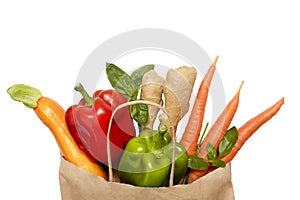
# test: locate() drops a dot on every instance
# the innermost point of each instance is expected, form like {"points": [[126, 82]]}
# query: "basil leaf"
{"points": [[129, 87], [139, 112], [197, 163], [228, 142], [218, 163], [120, 81], [137, 75], [211, 152]]}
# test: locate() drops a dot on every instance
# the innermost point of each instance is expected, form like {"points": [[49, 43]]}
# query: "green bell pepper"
{"points": [[147, 159]]}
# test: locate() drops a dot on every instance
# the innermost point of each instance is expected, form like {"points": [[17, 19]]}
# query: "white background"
{"points": [[45, 44]]}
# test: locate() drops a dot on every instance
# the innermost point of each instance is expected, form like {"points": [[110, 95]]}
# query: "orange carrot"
{"points": [[52, 115], [192, 130], [250, 127], [247, 130], [219, 128], [216, 133]]}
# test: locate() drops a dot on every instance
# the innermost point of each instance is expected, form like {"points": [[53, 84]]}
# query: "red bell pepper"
{"points": [[89, 121], [70, 121]]}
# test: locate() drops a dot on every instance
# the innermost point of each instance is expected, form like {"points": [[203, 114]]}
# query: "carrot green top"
{"points": [[26, 94]]}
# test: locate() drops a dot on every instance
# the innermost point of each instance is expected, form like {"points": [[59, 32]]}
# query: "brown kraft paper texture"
{"points": [[77, 184]]}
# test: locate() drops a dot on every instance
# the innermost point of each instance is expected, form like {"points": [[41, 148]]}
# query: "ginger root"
{"points": [[177, 92], [151, 90]]}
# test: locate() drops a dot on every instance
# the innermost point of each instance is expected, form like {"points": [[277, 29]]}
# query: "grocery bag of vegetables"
{"points": [[111, 150]]}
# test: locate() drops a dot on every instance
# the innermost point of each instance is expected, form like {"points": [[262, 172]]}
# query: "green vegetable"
{"points": [[139, 112], [120, 80], [25, 94], [128, 86], [147, 159], [225, 146], [195, 162], [211, 152], [137, 75], [228, 142], [218, 163]]}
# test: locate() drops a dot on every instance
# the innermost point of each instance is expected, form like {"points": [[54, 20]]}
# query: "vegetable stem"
{"points": [[201, 139], [88, 99], [26, 94], [158, 140]]}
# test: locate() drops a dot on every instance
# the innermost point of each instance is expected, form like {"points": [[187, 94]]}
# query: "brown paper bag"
{"points": [[77, 184]]}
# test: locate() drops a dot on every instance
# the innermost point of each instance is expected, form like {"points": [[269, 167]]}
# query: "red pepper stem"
{"points": [[88, 99]]}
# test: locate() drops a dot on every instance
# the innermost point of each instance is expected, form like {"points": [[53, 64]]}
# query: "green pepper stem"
{"points": [[158, 140], [162, 129], [88, 99], [109, 162]]}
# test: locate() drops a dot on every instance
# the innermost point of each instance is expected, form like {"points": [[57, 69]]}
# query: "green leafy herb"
{"points": [[218, 163], [128, 86], [138, 74], [212, 155], [197, 163], [226, 145], [228, 142], [211, 152], [139, 112], [120, 80]]}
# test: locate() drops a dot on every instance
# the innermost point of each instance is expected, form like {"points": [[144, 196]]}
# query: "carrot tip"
{"points": [[241, 85], [238, 92], [215, 61], [281, 100]]}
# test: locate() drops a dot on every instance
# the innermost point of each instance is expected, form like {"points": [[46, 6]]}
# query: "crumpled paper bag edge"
{"points": [[78, 184]]}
